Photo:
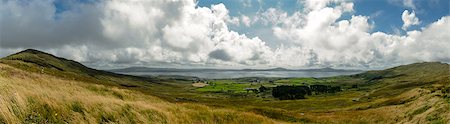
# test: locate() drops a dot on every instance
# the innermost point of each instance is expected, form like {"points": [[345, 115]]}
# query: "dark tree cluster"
{"points": [[325, 89], [291, 92], [263, 89], [299, 92]]}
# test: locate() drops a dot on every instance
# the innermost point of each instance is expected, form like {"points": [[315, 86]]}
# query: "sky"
{"points": [[296, 34]]}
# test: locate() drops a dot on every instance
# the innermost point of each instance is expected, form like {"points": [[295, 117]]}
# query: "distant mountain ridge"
{"points": [[147, 69]]}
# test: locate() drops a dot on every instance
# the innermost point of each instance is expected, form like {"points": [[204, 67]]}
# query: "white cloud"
{"points": [[430, 44], [246, 20], [273, 16], [319, 4], [166, 33], [409, 19], [409, 3], [132, 32], [349, 43]]}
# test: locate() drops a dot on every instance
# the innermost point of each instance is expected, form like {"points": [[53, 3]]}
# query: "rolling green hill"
{"points": [[37, 87], [40, 62], [394, 81]]}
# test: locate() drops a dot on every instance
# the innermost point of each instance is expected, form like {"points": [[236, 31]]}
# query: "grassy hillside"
{"points": [[394, 81], [36, 87], [44, 63], [37, 98]]}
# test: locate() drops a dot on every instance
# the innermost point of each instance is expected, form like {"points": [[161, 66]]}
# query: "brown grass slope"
{"points": [[394, 81], [38, 98], [31, 60], [414, 93]]}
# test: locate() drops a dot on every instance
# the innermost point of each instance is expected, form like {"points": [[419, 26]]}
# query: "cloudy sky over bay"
{"points": [[361, 34]]}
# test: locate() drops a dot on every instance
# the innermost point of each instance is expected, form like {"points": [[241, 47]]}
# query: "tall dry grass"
{"points": [[38, 98], [27, 97], [415, 106]]}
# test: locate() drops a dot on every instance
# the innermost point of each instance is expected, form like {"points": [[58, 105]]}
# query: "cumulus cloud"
{"points": [[349, 43], [409, 19], [123, 31], [430, 44], [334, 42], [161, 33], [36, 23]]}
